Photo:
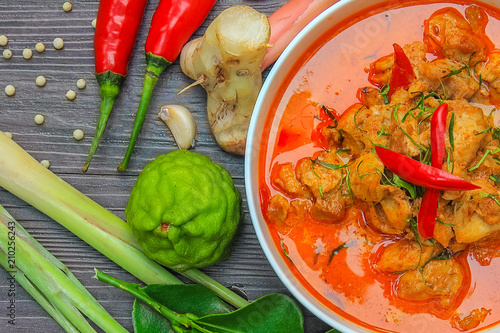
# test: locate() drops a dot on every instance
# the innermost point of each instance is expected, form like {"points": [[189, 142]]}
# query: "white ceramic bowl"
{"points": [[335, 14]]}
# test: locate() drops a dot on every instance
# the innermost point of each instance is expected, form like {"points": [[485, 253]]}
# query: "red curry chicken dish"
{"points": [[352, 221]]}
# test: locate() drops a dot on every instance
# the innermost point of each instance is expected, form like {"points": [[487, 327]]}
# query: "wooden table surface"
{"points": [[26, 23]]}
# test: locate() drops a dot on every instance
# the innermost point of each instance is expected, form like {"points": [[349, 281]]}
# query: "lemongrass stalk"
{"points": [[63, 291], [40, 297], [23, 176], [288, 21]]}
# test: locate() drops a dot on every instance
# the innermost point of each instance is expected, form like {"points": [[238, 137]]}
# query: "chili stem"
{"points": [[155, 66], [109, 88]]}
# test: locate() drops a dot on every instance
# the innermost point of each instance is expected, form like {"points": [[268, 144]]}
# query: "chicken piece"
{"points": [[277, 211], [479, 216], [450, 34], [287, 214], [471, 321], [330, 207], [325, 185], [370, 96], [391, 214], [434, 76], [486, 250], [366, 174], [365, 125], [469, 122], [340, 139], [381, 70], [441, 279], [405, 139], [319, 179], [406, 255], [443, 232], [490, 72], [416, 53], [287, 180]]}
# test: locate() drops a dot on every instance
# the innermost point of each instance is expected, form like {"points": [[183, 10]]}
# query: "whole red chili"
{"points": [[428, 208], [422, 174], [402, 72], [116, 29], [173, 23]]}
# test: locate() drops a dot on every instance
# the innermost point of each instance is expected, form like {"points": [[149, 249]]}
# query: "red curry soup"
{"points": [[372, 243]]}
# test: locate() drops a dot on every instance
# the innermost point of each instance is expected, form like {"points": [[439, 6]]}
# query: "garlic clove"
{"points": [[181, 123]]}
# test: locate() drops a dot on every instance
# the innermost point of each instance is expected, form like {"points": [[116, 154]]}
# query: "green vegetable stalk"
{"points": [[50, 283], [23, 176], [274, 313]]}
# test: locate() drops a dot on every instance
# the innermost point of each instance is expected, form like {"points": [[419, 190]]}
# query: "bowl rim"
{"points": [[252, 161]]}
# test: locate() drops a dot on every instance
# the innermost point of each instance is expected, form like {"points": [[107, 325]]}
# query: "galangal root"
{"points": [[226, 62]]}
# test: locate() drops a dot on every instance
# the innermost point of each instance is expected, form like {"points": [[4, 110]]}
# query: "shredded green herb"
{"points": [[445, 255], [283, 247], [384, 91], [444, 223], [331, 115], [423, 120], [336, 251], [450, 131], [484, 131], [495, 178], [494, 197], [496, 134], [320, 191], [483, 158], [382, 132], [395, 115], [355, 121], [421, 105], [414, 229], [449, 160], [404, 184], [376, 145], [328, 165], [343, 150], [458, 71], [479, 86], [348, 183]]}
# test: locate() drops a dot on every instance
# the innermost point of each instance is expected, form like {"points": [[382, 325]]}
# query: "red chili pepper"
{"points": [[402, 72], [438, 135], [116, 29], [427, 213], [173, 23], [422, 174], [428, 208]]}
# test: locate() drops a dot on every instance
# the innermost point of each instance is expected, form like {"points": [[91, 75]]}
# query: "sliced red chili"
{"points": [[402, 72], [422, 174]]}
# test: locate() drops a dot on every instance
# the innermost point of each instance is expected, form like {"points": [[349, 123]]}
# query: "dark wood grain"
{"points": [[28, 22]]}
